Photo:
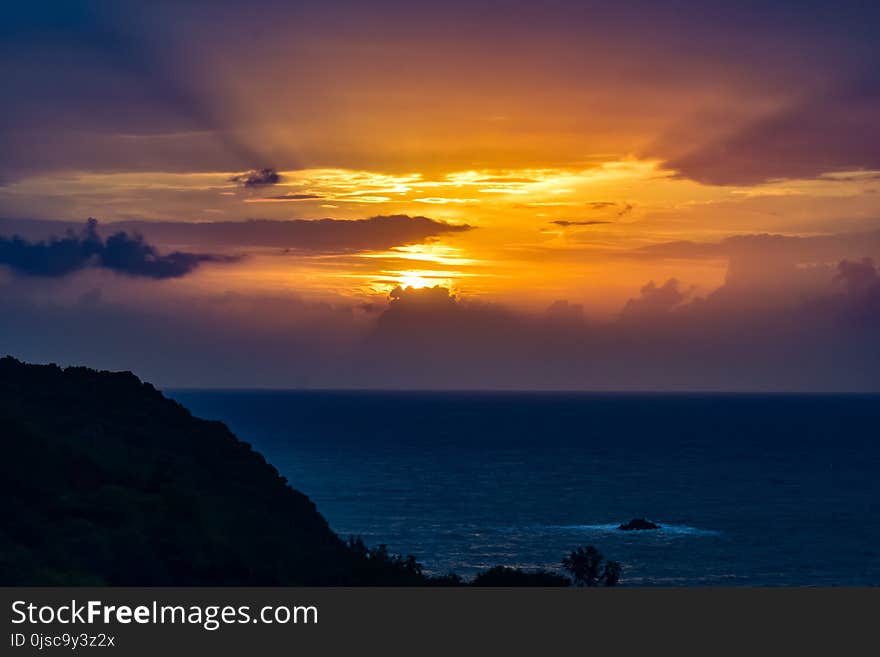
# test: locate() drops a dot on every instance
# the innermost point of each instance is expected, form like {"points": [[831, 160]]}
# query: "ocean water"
{"points": [[749, 489]]}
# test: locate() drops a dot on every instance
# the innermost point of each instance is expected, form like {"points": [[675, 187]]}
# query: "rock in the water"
{"points": [[637, 524]]}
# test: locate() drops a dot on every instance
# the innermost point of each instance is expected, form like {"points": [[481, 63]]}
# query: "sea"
{"points": [[749, 490]]}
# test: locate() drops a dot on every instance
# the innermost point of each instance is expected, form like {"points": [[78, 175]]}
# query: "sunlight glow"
{"points": [[416, 279], [437, 253], [538, 234]]}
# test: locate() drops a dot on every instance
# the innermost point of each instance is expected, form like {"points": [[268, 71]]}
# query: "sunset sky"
{"points": [[602, 195]]}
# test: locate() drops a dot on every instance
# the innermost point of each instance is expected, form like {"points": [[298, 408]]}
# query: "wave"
{"points": [[664, 530]]}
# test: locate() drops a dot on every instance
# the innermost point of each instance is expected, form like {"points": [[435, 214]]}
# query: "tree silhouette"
{"points": [[588, 567], [611, 573], [507, 576]]}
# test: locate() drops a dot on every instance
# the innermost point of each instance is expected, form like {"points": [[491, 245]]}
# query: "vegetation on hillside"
{"points": [[107, 482]]}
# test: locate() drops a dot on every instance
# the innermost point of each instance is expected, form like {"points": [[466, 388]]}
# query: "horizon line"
{"points": [[539, 391]]}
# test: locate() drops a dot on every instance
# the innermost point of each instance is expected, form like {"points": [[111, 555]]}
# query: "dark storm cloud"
{"points": [[685, 249], [426, 297], [433, 338], [863, 285], [831, 131], [859, 277], [854, 304], [432, 330], [862, 280], [664, 339], [434, 312], [563, 311], [121, 253], [257, 178], [654, 300], [792, 247], [768, 270], [317, 236]]}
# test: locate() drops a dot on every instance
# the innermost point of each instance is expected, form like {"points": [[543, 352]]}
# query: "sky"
{"points": [[554, 195]]}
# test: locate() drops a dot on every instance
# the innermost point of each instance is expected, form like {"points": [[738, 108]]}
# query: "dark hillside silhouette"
{"points": [[105, 481]]}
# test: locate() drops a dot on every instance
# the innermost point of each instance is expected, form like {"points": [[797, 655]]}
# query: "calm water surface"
{"points": [[749, 489]]}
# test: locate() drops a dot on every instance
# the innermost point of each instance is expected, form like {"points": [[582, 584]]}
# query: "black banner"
{"points": [[233, 621]]}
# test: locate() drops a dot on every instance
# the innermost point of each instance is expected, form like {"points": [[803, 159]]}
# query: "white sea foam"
{"points": [[665, 529]]}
